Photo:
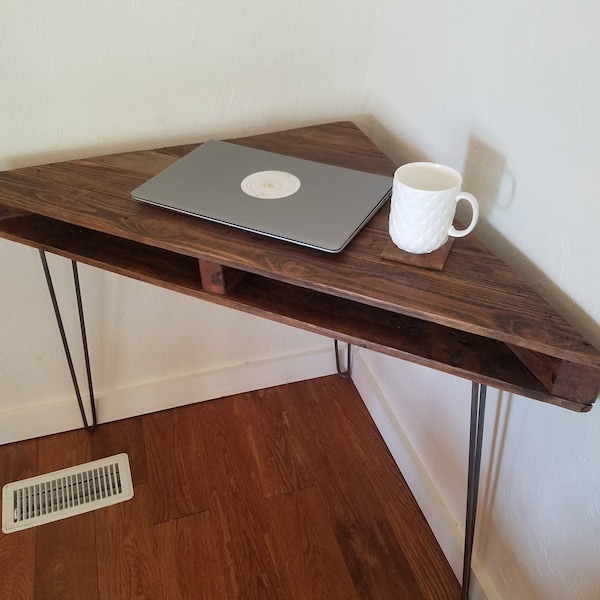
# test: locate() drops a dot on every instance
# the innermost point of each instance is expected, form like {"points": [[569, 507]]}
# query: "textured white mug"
{"points": [[424, 199]]}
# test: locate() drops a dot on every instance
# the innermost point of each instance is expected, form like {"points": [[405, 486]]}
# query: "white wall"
{"points": [[81, 79], [78, 78], [507, 91]]}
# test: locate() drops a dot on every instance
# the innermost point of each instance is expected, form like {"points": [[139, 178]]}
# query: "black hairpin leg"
{"points": [[348, 371], [477, 415], [63, 335]]}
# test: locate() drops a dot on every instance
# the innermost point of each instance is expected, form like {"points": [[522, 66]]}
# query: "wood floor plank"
{"points": [[17, 550], [283, 463], [18, 461], [374, 555], [307, 547], [237, 505], [176, 464], [17, 564], [64, 450], [251, 572], [123, 436], [188, 556], [126, 550], [435, 577], [65, 557]]}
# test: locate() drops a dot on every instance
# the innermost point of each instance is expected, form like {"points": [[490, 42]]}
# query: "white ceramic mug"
{"points": [[424, 199]]}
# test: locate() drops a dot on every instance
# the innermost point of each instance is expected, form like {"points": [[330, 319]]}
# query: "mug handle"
{"points": [[474, 218]]}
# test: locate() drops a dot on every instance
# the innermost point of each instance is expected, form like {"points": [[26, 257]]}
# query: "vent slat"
{"points": [[113, 485], [102, 483], [95, 484], [65, 493], [86, 488]]}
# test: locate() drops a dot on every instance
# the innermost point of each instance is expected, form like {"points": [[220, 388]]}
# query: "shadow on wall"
{"points": [[398, 150], [487, 177], [492, 547], [485, 174], [488, 543]]}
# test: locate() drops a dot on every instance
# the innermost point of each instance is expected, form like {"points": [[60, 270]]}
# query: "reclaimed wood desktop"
{"points": [[476, 318]]}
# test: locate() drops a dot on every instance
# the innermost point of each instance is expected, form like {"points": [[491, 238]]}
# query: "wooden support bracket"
{"points": [[561, 378], [219, 279]]}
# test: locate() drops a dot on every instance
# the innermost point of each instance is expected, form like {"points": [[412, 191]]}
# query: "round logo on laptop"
{"points": [[270, 185]]}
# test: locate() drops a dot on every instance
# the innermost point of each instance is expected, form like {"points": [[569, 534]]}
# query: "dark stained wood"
{"points": [[561, 377], [11, 213], [432, 260], [83, 210], [145, 163], [340, 524], [339, 144], [474, 357], [146, 263], [91, 195], [218, 279]]}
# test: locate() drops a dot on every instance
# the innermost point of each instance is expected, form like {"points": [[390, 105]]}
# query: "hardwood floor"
{"points": [[286, 493]]}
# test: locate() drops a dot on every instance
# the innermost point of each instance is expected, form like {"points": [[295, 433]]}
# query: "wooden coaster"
{"points": [[432, 260]]}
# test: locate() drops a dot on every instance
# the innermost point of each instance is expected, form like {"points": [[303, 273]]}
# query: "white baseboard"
{"points": [[45, 419], [449, 534]]}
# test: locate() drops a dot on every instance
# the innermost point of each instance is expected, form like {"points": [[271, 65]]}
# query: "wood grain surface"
{"points": [[304, 502], [83, 209]]}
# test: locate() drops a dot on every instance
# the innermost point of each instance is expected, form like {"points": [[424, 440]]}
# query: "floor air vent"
{"points": [[61, 494]]}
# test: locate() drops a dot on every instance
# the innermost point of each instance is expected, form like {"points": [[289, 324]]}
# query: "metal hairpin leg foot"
{"points": [[348, 371], [63, 335], [477, 415]]}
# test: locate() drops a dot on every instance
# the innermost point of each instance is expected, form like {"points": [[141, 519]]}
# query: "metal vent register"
{"points": [[61, 494]]}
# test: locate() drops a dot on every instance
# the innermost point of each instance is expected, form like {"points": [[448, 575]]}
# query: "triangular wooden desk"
{"points": [[476, 318]]}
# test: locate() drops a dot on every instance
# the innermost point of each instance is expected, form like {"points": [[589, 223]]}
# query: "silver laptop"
{"points": [[300, 201]]}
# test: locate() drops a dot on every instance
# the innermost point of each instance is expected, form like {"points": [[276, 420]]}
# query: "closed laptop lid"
{"points": [[292, 199]]}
